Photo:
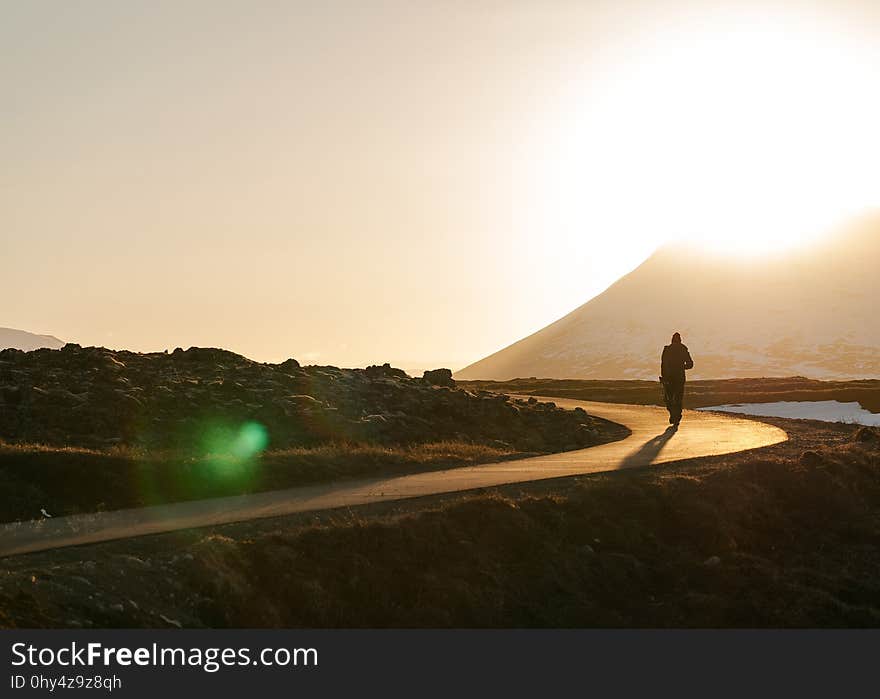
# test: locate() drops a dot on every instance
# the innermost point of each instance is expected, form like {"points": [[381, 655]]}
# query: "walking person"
{"points": [[675, 360]]}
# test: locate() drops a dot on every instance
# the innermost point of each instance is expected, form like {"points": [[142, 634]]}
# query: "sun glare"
{"points": [[748, 137]]}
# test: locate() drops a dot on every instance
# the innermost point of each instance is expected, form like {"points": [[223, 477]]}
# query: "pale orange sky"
{"points": [[414, 182]]}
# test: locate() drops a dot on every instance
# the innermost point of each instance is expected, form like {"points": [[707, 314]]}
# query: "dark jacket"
{"points": [[674, 361]]}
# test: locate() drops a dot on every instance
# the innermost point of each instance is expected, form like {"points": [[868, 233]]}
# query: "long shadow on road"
{"points": [[646, 453]]}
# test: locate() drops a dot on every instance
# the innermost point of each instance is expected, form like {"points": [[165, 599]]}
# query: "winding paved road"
{"points": [[651, 443]]}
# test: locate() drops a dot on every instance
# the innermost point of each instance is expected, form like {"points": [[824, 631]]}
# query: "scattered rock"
{"points": [[712, 561], [385, 371], [134, 561], [171, 622], [811, 459], [867, 436], [96, 398], [439, 377], [11, 395]]}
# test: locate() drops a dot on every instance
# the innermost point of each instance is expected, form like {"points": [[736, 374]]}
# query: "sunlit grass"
{"points": [[421, 453], [36, 448]]}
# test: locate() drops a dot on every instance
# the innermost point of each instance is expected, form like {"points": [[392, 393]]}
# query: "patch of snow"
{"points": [[825, 410]]}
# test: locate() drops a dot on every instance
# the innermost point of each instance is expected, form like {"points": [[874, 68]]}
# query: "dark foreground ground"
{"points": [[699, 394], [787, 536]]}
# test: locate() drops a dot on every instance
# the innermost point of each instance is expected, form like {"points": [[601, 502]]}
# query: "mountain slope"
{"points": [[19, 339], [810, 312]]}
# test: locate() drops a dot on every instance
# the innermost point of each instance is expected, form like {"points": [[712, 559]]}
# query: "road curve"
{"points": [[651, 443]]}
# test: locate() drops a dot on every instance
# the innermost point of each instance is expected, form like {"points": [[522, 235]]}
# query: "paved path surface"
{"points": [[652, 442]]}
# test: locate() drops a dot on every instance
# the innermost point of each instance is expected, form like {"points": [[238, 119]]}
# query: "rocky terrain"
{"points": [[90, 429], [97, 398]]}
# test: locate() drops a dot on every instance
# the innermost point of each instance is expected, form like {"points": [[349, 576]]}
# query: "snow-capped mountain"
{"points": [[19, 339], [811, 312]]}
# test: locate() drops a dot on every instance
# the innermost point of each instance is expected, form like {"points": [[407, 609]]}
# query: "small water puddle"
{"points": [[825, 410]]}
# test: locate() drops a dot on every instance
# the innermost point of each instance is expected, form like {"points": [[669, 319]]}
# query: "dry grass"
{"points": [[67, 480], [431, 452], [30, 448], [417, 453]]}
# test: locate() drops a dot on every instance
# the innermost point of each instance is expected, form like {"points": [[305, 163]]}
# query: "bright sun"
{"points": [[750, 136]]}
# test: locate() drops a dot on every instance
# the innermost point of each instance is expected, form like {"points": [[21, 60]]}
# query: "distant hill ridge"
{"points": [[10, 338], [809, 312]]}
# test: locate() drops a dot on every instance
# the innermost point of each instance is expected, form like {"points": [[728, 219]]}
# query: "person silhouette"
{"points": [[675, 360]]}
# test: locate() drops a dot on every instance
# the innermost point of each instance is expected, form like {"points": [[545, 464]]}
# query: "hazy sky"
{"points": [[414, 182]]}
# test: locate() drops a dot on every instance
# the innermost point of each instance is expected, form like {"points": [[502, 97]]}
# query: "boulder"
{"points": [[868, 436], [385, 371], [811, 459], [439, 377]]}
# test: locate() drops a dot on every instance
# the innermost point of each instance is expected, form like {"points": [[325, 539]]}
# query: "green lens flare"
{"points": [[217, 457], [252, 438], [233, 450]]}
